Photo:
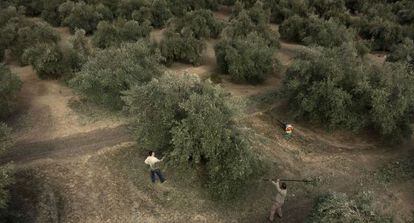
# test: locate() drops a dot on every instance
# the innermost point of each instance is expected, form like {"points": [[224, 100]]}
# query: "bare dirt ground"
{"points": [[71, 171]]}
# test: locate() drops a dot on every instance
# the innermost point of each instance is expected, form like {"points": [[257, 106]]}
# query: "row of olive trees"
{"points": [[384, 24], [88, 13], [339, 89]]}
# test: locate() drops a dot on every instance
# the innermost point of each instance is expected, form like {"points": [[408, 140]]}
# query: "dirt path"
{"points": [[66, 147]]}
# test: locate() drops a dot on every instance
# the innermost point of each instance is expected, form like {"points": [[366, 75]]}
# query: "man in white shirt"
{"points": [[153, 162], [279, 201]]}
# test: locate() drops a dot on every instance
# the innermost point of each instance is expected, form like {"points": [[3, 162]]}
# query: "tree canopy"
{"points": [[337, 88], [113, 70], [196, 127]]}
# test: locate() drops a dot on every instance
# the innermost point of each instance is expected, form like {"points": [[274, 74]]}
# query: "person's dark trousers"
{"points": [[158, 173]]}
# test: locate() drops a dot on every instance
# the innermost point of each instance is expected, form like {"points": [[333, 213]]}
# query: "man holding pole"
{"points": [[279, 201]]}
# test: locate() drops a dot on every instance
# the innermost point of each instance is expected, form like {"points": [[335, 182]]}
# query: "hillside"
{"points": [[78, 161]]}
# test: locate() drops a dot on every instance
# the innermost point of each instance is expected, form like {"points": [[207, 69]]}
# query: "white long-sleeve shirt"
{"points": [[281, 194], [152, 162]]}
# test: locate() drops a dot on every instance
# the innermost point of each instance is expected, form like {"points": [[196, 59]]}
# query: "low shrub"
{"points": [[334, 206]]}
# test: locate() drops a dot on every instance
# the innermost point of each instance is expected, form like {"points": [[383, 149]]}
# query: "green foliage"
{"points": [[314, 30], [283, 9], [254, 20], [111, 71], [160, 13], [328, 9], [201, 22], [193, 122], [208, 137], [80, 15], [8, 19], [161, 99], [9, 86], [181, 7], [339, 89], [25, 34], [338, 207], [403, 52], [383, 33], [246, 59], [47, 60], [113, 34], [50, 12], [80, 50], [182, 47], [32, 8], [5, 173], [157, 12], [127, 7]]}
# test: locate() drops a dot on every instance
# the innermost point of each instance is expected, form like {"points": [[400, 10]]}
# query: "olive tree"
{"points": [[9, 86], [81, 48], [201, 22], [403, 52], [113, 70], [194, 123], [182, 47], [337, 88], [384, 33], [283, 9], [79, 15], [246, 59], [181, 7], [161, 99], [245, 23], [208, 137], [47, 60], [315, 31], [50, 12], [160, 13], [28, 34], [113, 34]]}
